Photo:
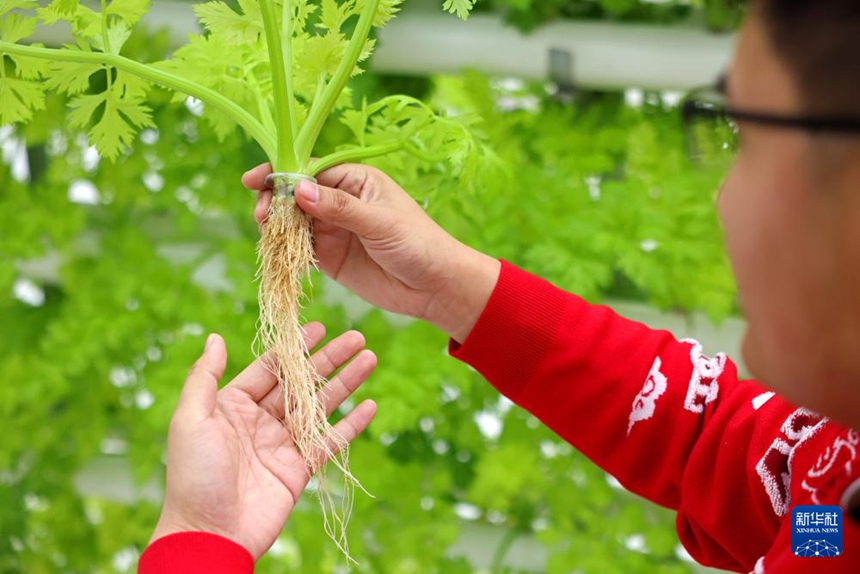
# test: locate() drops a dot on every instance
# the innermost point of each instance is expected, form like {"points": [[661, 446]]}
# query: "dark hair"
{"points": [[819, 41]]}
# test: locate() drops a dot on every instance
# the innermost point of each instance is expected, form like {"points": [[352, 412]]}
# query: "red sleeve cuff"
{"points": [[195, 553], [514, 331]]}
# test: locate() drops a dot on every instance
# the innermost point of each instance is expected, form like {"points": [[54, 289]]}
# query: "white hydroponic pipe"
{"points": [[588, 55]]}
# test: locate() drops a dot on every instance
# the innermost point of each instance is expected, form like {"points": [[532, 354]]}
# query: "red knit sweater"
{"points": [[671, 424]]}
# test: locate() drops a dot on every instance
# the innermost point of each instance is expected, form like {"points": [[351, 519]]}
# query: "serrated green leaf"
{"points": [[356, 121], [121, 118], [333, 15], [19, 99], [118, 33], [459, 7], [115, 132], [59, 10], [369, 47], [84, 108], [71, 78], [130, 11], [319, 56], [387, 10], [214, 63], [302, 11], [8, 5], [434, 138], [251, 10], [130, 87], [136, 113], [85, 22], [28, 68], [16, 27], [229, 25]]}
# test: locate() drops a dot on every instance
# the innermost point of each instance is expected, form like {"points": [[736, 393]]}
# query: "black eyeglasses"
{"points": [[712, 124]]}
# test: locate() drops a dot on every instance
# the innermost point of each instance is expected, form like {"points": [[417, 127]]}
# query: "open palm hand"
{"points": [[232, 466]]}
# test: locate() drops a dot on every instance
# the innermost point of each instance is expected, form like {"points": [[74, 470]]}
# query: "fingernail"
{"points": [[209, 340], [309, 191]]}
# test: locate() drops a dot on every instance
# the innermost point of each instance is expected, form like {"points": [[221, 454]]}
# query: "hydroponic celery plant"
{"points": [[279, 69]]}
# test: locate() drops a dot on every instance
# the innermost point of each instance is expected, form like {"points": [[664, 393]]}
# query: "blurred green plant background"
{"points": [[112, 275]]}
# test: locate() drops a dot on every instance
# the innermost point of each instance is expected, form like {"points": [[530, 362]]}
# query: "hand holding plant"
{"points": [[373, 238]]}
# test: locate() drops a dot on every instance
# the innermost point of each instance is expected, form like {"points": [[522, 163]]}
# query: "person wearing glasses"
{"points": [[734, 457]]}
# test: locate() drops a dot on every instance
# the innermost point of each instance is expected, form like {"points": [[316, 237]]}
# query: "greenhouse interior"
{"points": [[566, 154]]}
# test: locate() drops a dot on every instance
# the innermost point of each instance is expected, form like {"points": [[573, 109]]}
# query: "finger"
{"points": [[197, 400], [339, 388], [351, 178], [261, 210], [325, 362], [344, 432], [258, 379], [336, 353], [356, 421], [344, 210], [255, 179]]}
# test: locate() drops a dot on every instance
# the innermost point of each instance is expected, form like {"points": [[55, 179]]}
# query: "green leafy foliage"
{"points": [[114, 111], [122, 115], [610, 183], [84, 21], [447, 141], [277, 69], [21, 93]]}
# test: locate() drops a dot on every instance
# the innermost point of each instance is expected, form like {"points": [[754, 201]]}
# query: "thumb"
{"points": [[339, 208], [197, 401]]}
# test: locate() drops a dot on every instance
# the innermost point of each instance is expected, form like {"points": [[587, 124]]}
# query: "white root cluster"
{"points": [[286, 257]]}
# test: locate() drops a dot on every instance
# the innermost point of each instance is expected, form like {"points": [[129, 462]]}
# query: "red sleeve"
{"points": [[195, 553], [670, 423]]}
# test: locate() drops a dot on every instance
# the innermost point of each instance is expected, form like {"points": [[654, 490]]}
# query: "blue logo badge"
{"points": [[816, 531]]}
